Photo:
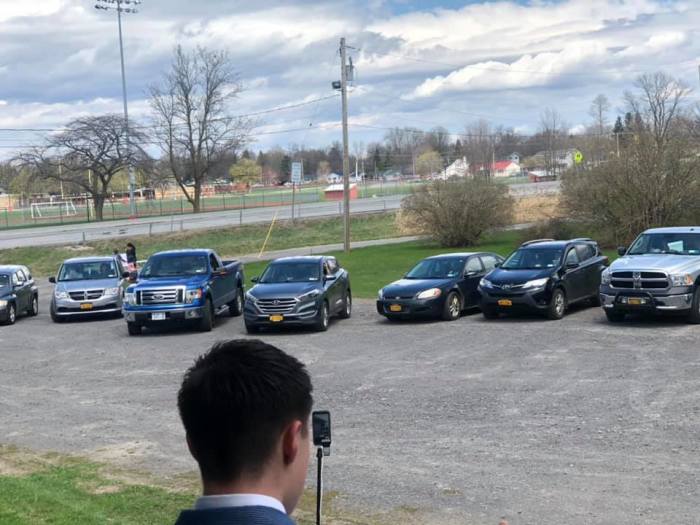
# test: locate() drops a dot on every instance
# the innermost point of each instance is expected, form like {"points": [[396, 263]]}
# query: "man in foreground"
{"points": [[245, 406]]}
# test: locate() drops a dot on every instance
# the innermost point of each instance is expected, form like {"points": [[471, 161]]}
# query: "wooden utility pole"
{"points": [[346, 153]]}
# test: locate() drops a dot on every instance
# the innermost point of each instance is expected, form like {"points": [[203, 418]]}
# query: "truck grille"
{"points": [[169, 296], [276, 306], [640, 280], [86, 295]]}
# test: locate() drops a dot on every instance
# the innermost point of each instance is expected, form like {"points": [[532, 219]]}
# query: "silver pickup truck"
{"points": [[87, 286], [659, 273]]}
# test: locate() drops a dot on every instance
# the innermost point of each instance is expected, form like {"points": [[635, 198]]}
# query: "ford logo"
{"points": [[159, 297]]}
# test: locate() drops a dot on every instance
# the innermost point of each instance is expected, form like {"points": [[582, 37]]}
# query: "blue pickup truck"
{"points": [[184, 285]]}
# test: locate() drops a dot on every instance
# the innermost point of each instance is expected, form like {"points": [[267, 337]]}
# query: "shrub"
{"points": [[457, 212]]}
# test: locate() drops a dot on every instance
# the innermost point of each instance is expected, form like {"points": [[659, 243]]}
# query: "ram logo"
{"points": [[637, 278]]}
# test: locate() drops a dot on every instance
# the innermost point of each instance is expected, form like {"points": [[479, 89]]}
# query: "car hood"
{"points": [[657, 261], [170, 282], [410, 287], [501, 276], [93, 284], [282, 290]]}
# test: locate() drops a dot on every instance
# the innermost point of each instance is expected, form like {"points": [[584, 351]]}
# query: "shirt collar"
{"points": [[238, 500]]}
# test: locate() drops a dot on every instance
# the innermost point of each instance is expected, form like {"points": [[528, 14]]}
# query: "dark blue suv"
{"points": [[545, 276]]}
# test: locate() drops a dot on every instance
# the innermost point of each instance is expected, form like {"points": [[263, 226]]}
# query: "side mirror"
{"points": [[330, 278], [572, 266], [126, 275], [498, 265], [621, 250], [255, 280], [133, 276], [52, 280]]}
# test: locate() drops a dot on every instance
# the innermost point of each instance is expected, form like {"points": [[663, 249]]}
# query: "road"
{"points": [[73, 234], [571, 422]]}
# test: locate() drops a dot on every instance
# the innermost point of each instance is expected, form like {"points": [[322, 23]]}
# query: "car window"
{"points": [[331, 266], [214, 263], [474, 265], [585, 252], [27, 273], [489, 262], [572, 257], [4, 280]]}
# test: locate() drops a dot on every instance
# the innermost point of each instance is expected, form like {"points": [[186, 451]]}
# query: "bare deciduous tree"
{"points": [[553, 131], [479, 145], [87, 155], [194, 128]]}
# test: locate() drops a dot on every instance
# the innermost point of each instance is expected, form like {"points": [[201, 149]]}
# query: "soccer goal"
{"points": [[53, 210]]}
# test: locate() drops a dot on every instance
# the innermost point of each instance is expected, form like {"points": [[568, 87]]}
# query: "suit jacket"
{"points": [[234, 516]]}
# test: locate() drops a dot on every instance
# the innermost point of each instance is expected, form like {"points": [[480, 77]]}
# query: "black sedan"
{"points": [[19, 294], [442, 286], [304, 291], [545, 276]]}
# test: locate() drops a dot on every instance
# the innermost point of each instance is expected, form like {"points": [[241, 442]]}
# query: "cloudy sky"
{"points": [[419, 63]]}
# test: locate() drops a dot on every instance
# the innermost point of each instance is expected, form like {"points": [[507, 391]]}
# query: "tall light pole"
{"points": [[346, 154], [117, 5]]}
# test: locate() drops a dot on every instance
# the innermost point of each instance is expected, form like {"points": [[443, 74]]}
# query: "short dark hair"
{"points": [[235, 402]]}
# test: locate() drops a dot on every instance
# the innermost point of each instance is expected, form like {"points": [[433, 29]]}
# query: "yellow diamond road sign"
{"points": [[578, 157]]}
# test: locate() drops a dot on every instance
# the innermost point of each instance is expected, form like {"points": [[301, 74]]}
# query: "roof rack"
{"points": [[534, 241]]}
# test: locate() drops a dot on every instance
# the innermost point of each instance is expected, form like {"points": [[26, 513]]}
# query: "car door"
{"points": [[218, 284], [331, 274], [574, 276], [473, 272], [591, 265], [22, 291]]}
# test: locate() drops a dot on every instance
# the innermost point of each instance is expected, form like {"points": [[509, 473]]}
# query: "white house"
{"points": [[334, 178], [459, 168], [501, 168]]}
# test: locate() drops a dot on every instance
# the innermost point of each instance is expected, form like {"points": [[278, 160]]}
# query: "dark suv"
{"points": [[546, 276], [18, 293]]}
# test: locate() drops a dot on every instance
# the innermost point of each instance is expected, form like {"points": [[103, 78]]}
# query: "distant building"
{"points": [[459, 168], [501, 168], [514, 157], [334, 178], [554, 161]]}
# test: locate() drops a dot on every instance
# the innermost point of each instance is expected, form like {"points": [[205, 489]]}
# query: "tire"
{"points": [[346, 313], [34, 308], [614, 317], [323, 319], [11, 314], [694, 314], [557, 305], [133, 328], [252, 329], [206, 323], [595, 300], [489, 312], [235, 307], [452, 308], [54, 317]]}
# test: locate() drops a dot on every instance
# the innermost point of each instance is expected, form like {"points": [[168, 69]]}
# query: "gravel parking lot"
{"points": [[543, 422]]}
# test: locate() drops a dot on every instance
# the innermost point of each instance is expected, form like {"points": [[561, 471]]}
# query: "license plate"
{"points": [[395, 308], [86, 306], [505, 302], [636, 301], [158, 316], [276, 318]]}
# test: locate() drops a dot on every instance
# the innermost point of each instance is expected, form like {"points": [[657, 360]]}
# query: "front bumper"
{"points": [[302, 314], [532, 299], [161, 315], [410, 307], [103, 305], [636, 301]]}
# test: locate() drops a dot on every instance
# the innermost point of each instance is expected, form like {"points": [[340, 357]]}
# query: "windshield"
{"points": [[4, 281], [533, 259], [291, 273], [175, 266], [88, 271], [674, 243], [437, 269]]}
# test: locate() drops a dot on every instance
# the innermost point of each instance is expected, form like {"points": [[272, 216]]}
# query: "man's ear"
{"points": [[292, 441]]}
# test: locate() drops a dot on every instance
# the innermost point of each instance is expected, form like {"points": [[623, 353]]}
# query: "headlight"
{"points": [[485, 283], [606, 276], [429, 294], [250, 297], [682, 280], [112, 291], [130, 298], [192, 296], [537, 283], [60, 294], [3, 304], [309, 296]]}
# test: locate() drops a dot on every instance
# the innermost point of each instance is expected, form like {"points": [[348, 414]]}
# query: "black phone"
{"points": [[321, 424]]}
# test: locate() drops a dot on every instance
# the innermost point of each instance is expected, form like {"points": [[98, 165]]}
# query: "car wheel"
{"points": [[54, 316], [452, 308], [595, 300], [206, 323], [133, 328], [323, 319], [557, 305], [34, 308], [252, 329], [11, 314], [489, 312], [614, 317], [347, 306], [235, 307], [694, 314]]}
